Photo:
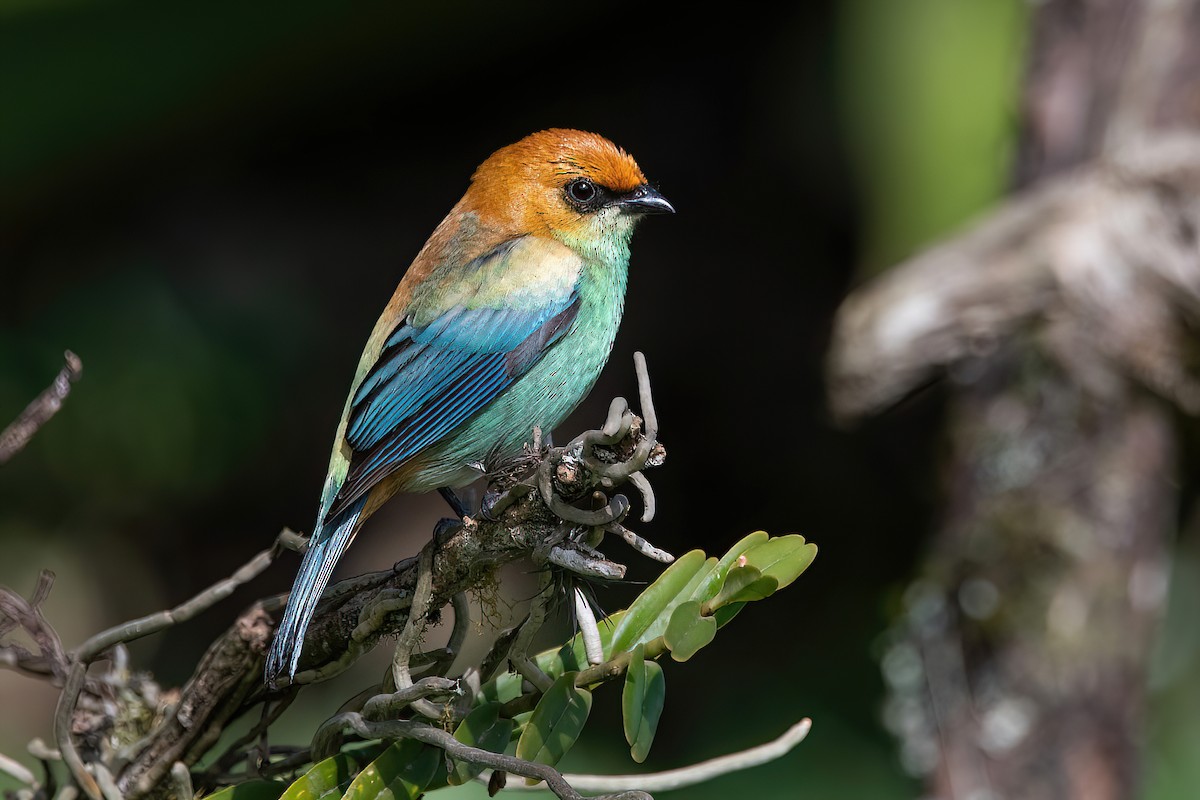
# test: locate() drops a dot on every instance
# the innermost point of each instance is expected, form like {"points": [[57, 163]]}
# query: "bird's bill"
{"points": [[645, 200]]}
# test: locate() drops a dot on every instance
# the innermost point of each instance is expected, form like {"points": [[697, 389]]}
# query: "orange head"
{"points": [[568, 184]]}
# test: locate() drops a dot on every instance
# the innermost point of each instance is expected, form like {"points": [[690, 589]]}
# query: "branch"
{"points": [[356, 613], [1109, 248], [553, 779], [540, 506], [16, 769], [671, 779], [93, 648], [1144, 81], [19, 614], [38, 413], [543, 508]]}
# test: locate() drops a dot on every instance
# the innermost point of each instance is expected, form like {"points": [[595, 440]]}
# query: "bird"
{"points": [[502, 322]]}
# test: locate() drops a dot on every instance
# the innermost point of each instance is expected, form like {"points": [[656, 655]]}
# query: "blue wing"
{"points": [[432, 377], [474, 331]]}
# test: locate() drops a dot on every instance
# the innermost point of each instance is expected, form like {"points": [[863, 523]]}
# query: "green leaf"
{"points": [[326, 780], [725, 613], [698, 584], [657, 601], [482, 728], [251, 790], [744, 584], [709, 588], [399, 773], [634, 693], [440, 776], [744, 544], [556, 722], [504, 687], [782, 558], [693, 587], [688, 631], [520, 720], [365, 752], [642, 703]]}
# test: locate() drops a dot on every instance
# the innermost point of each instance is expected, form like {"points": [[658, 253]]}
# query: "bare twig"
{"points": [[383, 706], [17, 613], [236, 751], [414, 629], [461, 604], [642, 484], [41, 751], [640, 544], [62, 731], [153, 623], [681, 778], [587, 628], [83, 655], [108, 786], [17, 770], [584, 564], [328, 738], [614, 511], [38, 413], [518, 653]]}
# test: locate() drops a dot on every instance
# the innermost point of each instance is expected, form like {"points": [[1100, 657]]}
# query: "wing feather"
{"points": [[442, 365]]}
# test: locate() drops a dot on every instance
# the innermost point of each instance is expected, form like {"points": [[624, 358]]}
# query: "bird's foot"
{"points": [[456, 503], [445, 528]]}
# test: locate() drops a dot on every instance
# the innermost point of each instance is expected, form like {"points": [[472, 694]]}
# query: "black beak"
{"points": [[645, 200]]}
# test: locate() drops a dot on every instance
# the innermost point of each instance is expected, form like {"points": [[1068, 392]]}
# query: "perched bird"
{"points": [[502, 323]]}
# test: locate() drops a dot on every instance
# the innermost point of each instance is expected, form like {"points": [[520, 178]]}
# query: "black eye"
{"points": [[582, 191]]}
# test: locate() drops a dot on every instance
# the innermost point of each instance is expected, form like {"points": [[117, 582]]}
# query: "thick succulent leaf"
{"points": [[399, 773], [699, 583], [519, 722], [708, 589], [365, 752], [642, 703], [744, 544], [251, 790], [634, 693], [440, 777], [688, 630], [556, 722], [695, 586], [745, 584], [326, 780], [725, 613], [657, 601], [782, 558], [503, 688], [692, 577], [485, 729]]}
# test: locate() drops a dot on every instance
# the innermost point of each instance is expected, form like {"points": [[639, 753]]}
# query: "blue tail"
{"points": [[324, 549]]}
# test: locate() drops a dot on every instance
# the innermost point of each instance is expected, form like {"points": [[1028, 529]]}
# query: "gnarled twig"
{"points": [[353, 615], [38, 413], [683, 777]]}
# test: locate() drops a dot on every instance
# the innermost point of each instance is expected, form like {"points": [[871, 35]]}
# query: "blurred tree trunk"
{"points": [[1019, 667]]}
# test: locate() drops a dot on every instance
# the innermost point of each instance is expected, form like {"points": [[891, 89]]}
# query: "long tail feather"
{"points": [[325, 548]]}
